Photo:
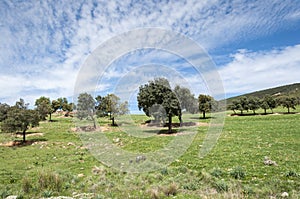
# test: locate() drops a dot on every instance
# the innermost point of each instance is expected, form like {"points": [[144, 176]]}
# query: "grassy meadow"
{"points": [[57, 163]]}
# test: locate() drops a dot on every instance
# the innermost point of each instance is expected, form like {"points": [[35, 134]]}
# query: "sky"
{"points": [[46, 45]]}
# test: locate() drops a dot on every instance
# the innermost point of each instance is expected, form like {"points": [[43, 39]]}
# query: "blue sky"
{"points": [[43, 44]]}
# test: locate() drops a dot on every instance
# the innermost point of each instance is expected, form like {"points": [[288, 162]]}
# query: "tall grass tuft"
{"points": [[50, 181]]}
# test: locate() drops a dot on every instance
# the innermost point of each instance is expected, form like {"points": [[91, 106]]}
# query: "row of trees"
{"points": [[267, 102], [158, 99], [46, 107], [19, 118], [109, 105]]}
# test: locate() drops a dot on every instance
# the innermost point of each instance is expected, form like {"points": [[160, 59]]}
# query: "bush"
{"points": [[291, 174], [26, 185], [171, 190], [221, 186], [238, 173], [217, 172], [50, 181]]}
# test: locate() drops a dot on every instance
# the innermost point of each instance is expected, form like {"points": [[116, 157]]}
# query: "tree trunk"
{"points": [[24, 132], [254, 112], [170, 124], [265, 111], [203, 114], [288, 109], [113, 121], [180, 119], [50, 117]]}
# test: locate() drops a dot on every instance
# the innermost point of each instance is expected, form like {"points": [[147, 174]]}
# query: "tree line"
{"points": [[159, 100], [267, 102], [19, 118]]}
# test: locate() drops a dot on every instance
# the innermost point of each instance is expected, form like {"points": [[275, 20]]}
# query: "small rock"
{"points": [[268, 161], [80, 175], [71, 144], [285, 195], [11, 197], [140, 158]]}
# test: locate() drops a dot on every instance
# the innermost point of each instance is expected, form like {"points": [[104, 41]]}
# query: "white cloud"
{"points": [[252, 71], [43, 44]]}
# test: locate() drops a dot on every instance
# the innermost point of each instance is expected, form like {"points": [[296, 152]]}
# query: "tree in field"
{"points": [[288, 102], [101, 104], [86, 107], [157, 98], [234, 106], [264, 105], [19, 118], [55, 104], [123, 108], [187, 100], [3, 111], [271, 102], [253, 104], [43, 107], [244, 104], [205, 104], [111, 106], [268, 102]]}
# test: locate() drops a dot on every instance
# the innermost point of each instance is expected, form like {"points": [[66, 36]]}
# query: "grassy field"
{"points": [[57, 163]]}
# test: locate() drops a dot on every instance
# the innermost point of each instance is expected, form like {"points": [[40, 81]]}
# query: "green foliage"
{"points": [[217, 172], [43, 107], [292, 90], [288, 102], [86, 107], [158, 100], [206, 104], [110, 105], [187, 100], [221, 186], [237, 172], [3, 111], [253, 104], [19, 118]]}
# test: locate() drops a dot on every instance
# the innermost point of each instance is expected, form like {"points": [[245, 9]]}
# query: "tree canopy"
{"points": [[111, 106], [158, 100], [19, 118], [86, 107], [43, 107], [187, 100], [206, 103]]}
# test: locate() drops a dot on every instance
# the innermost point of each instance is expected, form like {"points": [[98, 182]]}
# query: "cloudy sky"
{"points": [[44, 44]]}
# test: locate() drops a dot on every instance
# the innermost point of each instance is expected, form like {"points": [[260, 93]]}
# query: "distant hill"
{"points": [[291, 90]]}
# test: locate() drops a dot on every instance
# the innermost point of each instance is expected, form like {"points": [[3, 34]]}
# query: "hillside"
{"points": [[291, 90]]}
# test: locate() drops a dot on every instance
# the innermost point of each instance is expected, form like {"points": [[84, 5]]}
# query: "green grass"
{"points": [[58, 164]]}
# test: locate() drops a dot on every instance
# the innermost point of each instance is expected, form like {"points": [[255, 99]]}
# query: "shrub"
{"points": [[217, 172], [291, 174], [26, 185], [171, 190], [238, 173], [51, 181], [221, 186]]}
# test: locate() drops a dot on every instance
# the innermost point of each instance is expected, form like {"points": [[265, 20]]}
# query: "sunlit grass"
{"points": [[233, 169]]}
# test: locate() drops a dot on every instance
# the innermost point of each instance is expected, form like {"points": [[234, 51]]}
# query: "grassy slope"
{"points": [[292, 90], [244, 143]]}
